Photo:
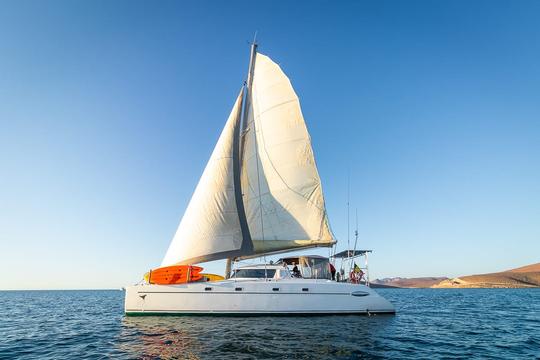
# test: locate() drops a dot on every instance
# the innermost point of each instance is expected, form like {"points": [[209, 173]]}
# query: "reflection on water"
{"points": [[251, 337], [156, 337]]}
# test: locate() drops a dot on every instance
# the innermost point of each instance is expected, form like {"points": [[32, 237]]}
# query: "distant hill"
{"points": [[522, 277], [422, 282], [528, 268], [381, 286]]}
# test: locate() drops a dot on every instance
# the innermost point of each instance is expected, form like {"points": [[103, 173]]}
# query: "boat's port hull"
{"points": [[297, 297]]}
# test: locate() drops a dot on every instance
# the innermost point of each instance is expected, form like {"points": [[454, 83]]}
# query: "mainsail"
{"points": [[274, 189], [282, 189]]}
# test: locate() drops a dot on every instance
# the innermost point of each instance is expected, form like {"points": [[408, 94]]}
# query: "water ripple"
{"points": [[431, 323]]}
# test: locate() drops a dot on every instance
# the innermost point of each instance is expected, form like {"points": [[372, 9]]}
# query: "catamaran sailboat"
{"points": [[259, 194]]}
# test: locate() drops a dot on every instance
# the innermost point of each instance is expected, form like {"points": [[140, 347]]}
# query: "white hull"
{"points": [[255, 297]]}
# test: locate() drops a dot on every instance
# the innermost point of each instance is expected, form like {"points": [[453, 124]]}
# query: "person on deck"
{"points": [[356, 274], [359, 274], [332, 270], [295, 271]]}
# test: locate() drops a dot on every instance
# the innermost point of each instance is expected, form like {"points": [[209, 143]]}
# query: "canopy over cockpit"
{"points": [[310, 266], [350, 253]]}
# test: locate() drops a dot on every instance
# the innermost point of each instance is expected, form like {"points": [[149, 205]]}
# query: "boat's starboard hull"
{"points": [[255, 297]]}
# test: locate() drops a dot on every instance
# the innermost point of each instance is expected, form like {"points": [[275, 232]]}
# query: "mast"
{"points": [[238, 151], [247, 86]]}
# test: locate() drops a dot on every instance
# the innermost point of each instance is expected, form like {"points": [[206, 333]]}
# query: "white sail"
{"points": [[210, 228], [282, 190], [278, 202]]}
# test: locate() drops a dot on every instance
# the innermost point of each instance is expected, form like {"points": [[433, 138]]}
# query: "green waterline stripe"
{"points": [[322, 313]]}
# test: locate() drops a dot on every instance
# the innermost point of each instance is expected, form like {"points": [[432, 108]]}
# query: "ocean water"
{"points": [[430, 323]]}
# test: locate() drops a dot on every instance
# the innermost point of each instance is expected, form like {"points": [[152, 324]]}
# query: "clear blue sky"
{"points": [[109, 111]]}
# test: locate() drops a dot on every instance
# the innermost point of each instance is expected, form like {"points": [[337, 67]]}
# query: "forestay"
{"points": [[210, 227]]}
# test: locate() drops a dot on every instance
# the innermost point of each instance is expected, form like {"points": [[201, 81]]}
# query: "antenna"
{"points": [[356, 231]]}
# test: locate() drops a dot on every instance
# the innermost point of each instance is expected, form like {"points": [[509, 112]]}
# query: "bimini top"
{"points": [[296, 259], [351, 253]]}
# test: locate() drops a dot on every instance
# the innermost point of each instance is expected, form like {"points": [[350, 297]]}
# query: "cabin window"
{"points": [[275, 289], [207, 289], [237, 289], [254, 273], [305, 289]]}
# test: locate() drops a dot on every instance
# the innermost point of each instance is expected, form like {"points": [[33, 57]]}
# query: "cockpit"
{"points": [[308, 266]]}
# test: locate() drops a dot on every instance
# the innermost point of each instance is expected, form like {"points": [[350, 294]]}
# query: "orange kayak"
{"points": [[176, 274]]}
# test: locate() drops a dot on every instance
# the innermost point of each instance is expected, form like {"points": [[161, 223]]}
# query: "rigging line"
{"points": [[260, 198], [258, 174], [355, 237]]}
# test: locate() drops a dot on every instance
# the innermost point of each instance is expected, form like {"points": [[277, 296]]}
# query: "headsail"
{"points": [[210, 228], [282, 189], [260, 192]]}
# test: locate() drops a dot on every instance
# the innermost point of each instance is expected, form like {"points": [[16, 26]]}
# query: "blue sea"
{"points": [[430, 323]]}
